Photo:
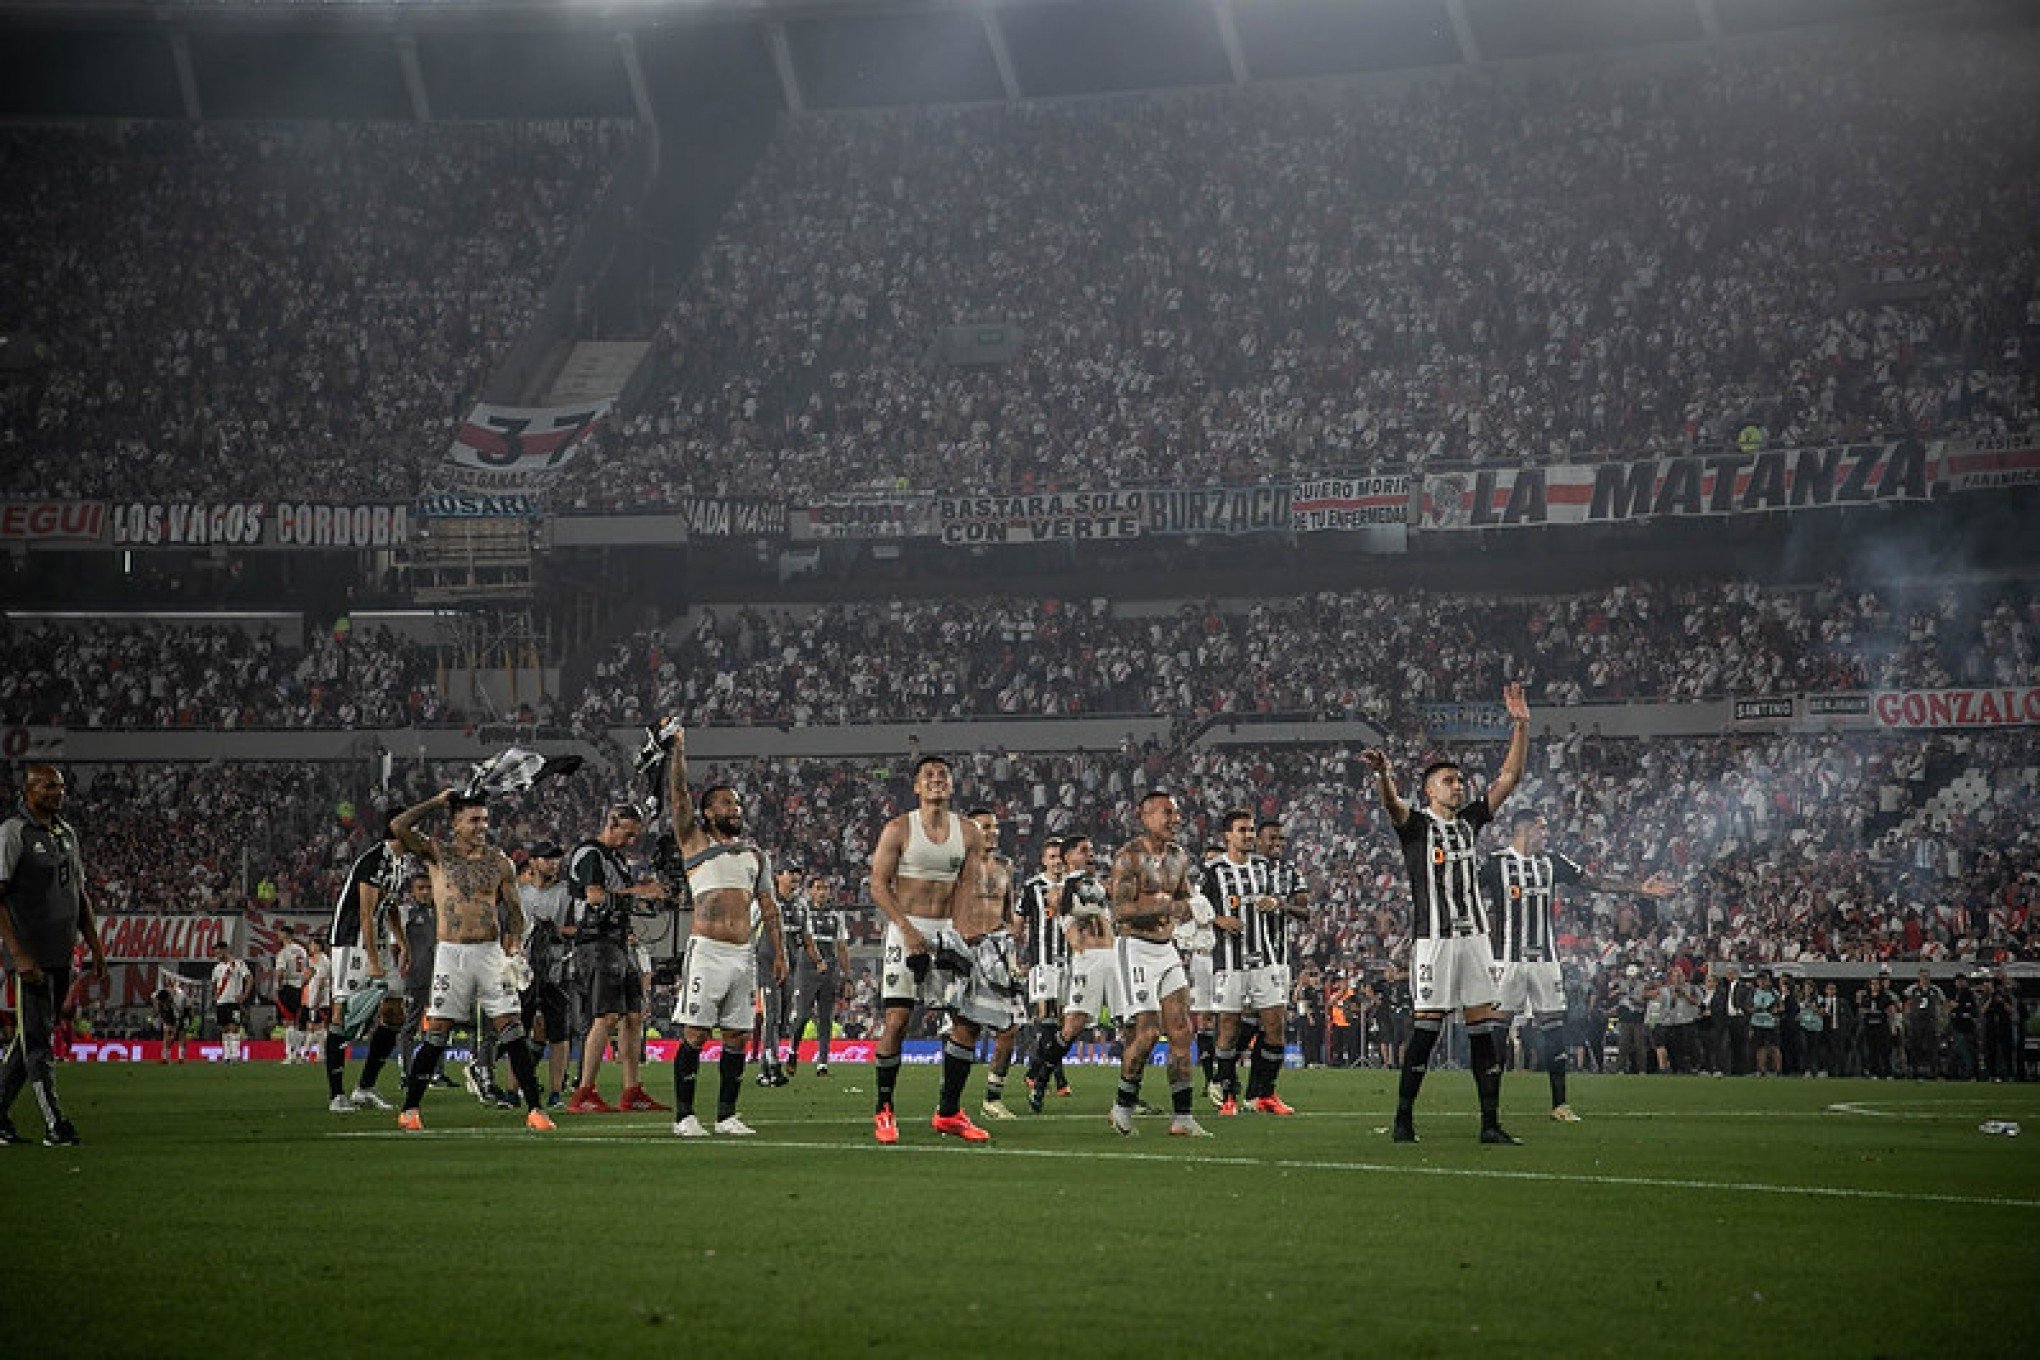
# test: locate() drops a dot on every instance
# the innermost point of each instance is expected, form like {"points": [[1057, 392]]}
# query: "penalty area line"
{"points": [[1190, 1158]]}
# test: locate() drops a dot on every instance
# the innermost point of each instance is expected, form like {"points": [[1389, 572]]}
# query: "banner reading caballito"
{"points": [[1041, 517]]}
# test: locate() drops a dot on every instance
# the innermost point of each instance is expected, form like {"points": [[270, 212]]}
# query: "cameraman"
{"points": [[600, 887], [548, 947]]}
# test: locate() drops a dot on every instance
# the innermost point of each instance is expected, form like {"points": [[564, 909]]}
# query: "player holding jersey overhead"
{"points": [[926, 863], [472, 881], [1451, 962], [1518, 882], [726, 874]]}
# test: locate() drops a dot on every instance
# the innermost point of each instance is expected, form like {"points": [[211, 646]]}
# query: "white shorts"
{"points": [[1455, 973], [1228, 985], [350, 972], [898, 983], [1265, 988], [1047, 982], [1149, 970], [1203, 993], [1094, 984], [1530, 988], [467, 976], [716, 986]]}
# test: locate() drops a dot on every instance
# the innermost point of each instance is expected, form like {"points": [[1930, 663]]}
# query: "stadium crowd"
{"points": [[1326, 655], [339, 291], [1254, 284]]}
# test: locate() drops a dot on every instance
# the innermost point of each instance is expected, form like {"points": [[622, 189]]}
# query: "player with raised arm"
{"points": [[472, 881], [726, 875], [925, 866], [1451, 962], [1149, 890], [1519, 883]]}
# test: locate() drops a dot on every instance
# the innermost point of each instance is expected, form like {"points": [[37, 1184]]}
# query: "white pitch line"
{"points": [[1190, 1158]]}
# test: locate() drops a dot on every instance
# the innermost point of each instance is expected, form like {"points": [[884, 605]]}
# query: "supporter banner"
{"points": [[1042, 517], [518, 448], [1377, 509], [1223, 511], [463, 505], [258, 524], [1990, 463], [1934, 708], [1465, 722], [1698, 486], [907, 515], [52, 521], [163, 939], [1837, 705], [710, 517], [32, 743], [1764, 710]]}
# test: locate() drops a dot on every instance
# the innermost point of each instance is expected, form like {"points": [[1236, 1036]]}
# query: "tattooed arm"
{"points": [[678, 802], [513, 906], [404, 826]]}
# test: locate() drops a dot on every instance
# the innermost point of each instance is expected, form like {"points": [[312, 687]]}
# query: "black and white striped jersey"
{"points": [[1444, 869], [1039, 897], [1268, 931], [1519, 889], [1231, 889], [375, 868]]}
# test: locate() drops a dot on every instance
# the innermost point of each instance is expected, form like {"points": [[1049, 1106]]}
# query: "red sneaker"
{"points": [[587, 1100], [1228, 1107], [885, 1126], [538, 1122], [410, 1122], [958, 1125], [1272, 1104], [637, 1098]]}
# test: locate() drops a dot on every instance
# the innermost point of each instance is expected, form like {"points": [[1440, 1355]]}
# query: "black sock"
{"points": [[1267, 1066], [424, 1065], [887, 1075], [1048, 1058], [1129, 1093], [382, 1041], [1179, 1096], [1556, 1066], [956, 1061], [1207, 1046], [1416, 1058], [1228, 1071], [732, 1080], [526, 1072], [336, 1062], [686, 1072], [1483, 1054]]}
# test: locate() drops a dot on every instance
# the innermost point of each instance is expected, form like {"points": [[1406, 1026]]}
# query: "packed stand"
{"points": [[223, 678], [287, 312], [1253, 284], [1332, 655]]}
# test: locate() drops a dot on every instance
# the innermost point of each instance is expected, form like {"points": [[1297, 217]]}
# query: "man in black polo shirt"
{"points": [[43, 912]]}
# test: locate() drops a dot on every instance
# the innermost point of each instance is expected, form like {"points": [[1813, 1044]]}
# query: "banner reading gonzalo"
{"points": [[1040, 517]]}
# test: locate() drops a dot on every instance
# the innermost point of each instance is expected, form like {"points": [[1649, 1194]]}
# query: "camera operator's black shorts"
{"points": [[609, 978]]}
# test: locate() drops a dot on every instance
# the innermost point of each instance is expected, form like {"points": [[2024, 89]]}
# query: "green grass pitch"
{"points": [[224, 1212]]}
